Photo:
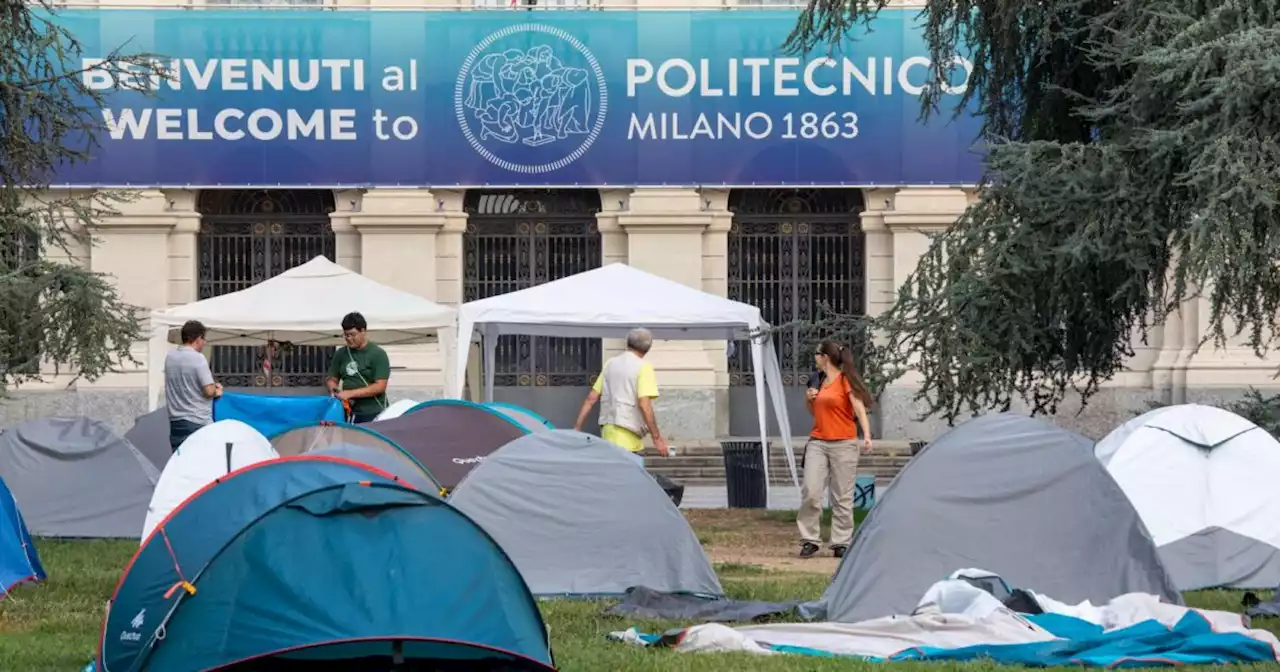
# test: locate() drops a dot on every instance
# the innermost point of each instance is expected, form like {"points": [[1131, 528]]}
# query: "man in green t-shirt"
{"points": [[359, 371]]}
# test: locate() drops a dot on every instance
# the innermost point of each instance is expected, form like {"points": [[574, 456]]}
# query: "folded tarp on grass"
{"points": [[648, 604], [1077, 642], [1150, 643]]}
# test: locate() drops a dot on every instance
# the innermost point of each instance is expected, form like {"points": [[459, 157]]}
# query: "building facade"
{"points": [[789, 249]]}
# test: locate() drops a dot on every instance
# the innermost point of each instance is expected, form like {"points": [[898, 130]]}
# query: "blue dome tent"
{"points": [[280, 566], [19, 562]]}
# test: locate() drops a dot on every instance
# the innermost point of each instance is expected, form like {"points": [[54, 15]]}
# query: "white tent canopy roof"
{"points": [[608, 302], [305, 305]]}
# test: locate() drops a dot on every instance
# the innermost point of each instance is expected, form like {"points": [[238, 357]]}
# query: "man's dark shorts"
{"points": [[179, 430], [363, 419]]}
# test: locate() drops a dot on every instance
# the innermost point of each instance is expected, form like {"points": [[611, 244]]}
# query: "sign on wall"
{"points": [[513, 98]]}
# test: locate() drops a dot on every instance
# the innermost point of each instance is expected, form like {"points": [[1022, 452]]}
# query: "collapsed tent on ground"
{"points": [[150, 435], [450, 439], [311, 439], [73, 477], [580, 518], [1204, 481], [320, 563], [527, 418], [211, 452], [1012, 495], [19, 561]]}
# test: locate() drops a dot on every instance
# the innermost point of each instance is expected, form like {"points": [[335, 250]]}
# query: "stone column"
{"points": [[398, 231], [715, 279], [910, 215], [613, 248], [1169, 370], [345, 237], [184, 262], [878, 244], [664, 230], [1215, 374], [122, 245]]}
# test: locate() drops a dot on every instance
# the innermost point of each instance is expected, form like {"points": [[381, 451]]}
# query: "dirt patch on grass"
{"points": [[766, 539]]}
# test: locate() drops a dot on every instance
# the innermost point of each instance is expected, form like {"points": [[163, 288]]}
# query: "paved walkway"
{"points": [[781, 497], [717, 497]]}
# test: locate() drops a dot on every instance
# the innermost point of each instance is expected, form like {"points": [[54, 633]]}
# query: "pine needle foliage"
{"points": [[61, 314], [1121, 135]]}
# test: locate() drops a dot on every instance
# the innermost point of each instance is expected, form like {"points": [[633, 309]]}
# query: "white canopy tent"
{"points": [[608, 302], [304, 306]]}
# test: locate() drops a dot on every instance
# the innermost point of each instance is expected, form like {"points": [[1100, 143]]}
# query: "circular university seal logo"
{"points": [[531, 98]]}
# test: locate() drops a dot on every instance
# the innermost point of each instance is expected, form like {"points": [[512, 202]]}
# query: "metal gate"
{"points": [[521, 238], [791, 251], [247, 236]]}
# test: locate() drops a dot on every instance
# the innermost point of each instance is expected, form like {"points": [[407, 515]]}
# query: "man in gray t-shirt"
{"points": [[189, 388]]}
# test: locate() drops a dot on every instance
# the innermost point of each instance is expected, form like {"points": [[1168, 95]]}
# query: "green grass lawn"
{"points": [[54, 626]]}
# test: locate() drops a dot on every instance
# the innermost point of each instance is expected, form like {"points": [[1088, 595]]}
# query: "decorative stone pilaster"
{"points": [[715, 279], [398, 231], [665, 231], [613, 240], [184, 263], [910, 215], [449, 271], [1212, 372], [345, 237], [141, 230], [1169, 370], [878, 239]]}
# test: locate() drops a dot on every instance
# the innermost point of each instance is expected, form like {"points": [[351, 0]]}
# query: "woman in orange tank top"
{"points": [[839, 407]]}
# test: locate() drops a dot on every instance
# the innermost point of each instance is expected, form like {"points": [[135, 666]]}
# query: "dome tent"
{"points": [[450, 437], [211, 452], [1008, 494], [19, 561], [319, 437], [277, 564], [75, 478], [1203, 480], [580, 518]]}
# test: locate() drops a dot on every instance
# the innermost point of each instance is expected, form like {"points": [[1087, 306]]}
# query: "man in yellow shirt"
{"points": [[626, 389]]}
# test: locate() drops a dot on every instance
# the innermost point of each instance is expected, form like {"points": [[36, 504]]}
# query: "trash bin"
{"points": [[744, 474]]}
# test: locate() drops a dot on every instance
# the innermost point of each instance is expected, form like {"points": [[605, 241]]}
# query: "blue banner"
{"points": [[514, 98]]}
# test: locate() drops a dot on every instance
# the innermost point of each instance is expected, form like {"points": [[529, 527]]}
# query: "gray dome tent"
{"points": [[580, 518], [73, 477], [1008, 494]]}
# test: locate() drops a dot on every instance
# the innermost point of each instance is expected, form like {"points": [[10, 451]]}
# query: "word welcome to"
{"points": [[239, 74]]}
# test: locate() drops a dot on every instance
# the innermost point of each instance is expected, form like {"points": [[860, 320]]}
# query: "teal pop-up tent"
{"points": [[319, 563]]}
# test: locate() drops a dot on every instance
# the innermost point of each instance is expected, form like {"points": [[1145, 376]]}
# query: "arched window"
{"points": [[250, 235], [790, 252]]}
